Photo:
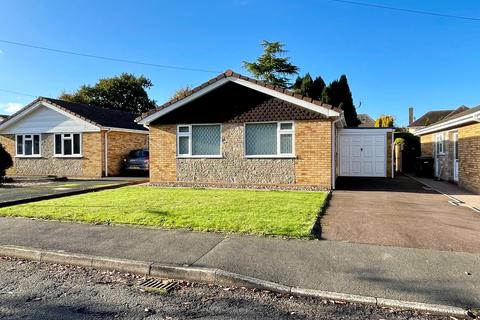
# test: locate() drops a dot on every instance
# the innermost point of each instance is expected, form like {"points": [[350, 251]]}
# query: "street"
{"points": [[31, 290]]}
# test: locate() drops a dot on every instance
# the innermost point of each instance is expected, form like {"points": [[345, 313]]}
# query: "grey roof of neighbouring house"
{"points": [[366, 121], [98, 116], [432, 117]]}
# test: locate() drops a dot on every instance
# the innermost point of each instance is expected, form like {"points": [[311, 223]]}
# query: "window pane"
{"points": [[28, 147], [183, 145], [261, 139], [58, 144], [67, 147], [76, 143], [206, 140], [286, 144], [183, 129], [19, 144], [286, 126], [36, 144]]}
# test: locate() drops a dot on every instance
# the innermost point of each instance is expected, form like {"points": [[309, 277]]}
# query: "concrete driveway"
{"points": [[399, 212]]}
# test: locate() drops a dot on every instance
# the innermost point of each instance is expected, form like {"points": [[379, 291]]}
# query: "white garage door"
{"points": [[363, 154]]}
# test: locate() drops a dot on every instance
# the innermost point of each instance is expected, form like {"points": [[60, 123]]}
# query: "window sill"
{"points": [[68, 157], [29, 157], [272, 157], [200, 157]]}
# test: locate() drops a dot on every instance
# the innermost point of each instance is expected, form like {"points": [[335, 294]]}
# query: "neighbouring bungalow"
{"points": [[365, 121], [454, 143], [51, 137], [431, 117], [237, 130]]}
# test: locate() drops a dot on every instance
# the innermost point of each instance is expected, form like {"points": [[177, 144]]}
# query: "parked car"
{"points": [[136, 161]]}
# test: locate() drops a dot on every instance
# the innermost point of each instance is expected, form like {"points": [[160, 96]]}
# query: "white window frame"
{"points": [[439, 142], [62, 155], [279, 133], [23, 155], [189, 135]]}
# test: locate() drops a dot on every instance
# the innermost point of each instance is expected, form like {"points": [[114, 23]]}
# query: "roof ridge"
{"points": [[230, 73]]}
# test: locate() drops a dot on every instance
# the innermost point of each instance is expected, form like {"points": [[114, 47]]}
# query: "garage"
{"points": [[365, 152]]}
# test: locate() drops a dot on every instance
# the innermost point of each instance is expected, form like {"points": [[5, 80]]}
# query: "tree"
{"points": [[5, 162], [181, 92], [338, 94], [308, 87], [124, 92], [384, 121], [271, 67]]}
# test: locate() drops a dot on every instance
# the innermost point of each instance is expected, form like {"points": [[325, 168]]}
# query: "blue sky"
{"points": [[392, 59]]}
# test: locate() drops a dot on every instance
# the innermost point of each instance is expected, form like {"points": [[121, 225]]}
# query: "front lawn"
{"points": [[288, 213]]}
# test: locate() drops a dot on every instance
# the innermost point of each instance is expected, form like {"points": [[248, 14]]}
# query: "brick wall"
{"points": [[163, 153], [313, 140], [469, 157], [426, 142], [8, 142], [92, 149], [119, 145]]}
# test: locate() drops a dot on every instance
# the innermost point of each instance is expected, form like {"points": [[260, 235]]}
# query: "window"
{"points": [[439, 144], [199, 140], [269, 139], [68, 144], [28, 145]]}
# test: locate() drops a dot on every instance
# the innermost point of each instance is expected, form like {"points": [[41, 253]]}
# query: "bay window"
{"points": [[273, 139], [28, 145], [68, 144], [199, 140]]}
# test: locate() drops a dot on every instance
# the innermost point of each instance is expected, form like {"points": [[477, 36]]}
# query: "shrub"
{"points": [[5, 162]]}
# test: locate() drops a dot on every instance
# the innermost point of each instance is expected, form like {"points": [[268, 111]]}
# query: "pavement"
{"points": [[34, 189], [418, 275], [399, 212], [467, 198]]}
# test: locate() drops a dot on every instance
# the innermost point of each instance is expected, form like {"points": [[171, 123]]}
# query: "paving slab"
{"points": [[137, 243]]}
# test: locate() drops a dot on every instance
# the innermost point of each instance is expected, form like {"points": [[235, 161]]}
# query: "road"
{"points": [[31, 290]]}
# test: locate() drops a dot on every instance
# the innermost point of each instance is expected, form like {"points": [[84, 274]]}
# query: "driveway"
{"points": [[28, 190], [399, 212]]}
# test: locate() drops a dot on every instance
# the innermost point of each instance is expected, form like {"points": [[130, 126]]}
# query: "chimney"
{"points": [[410, 115]]}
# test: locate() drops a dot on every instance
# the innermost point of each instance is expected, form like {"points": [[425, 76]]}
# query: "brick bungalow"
{"points": [[237, 130], [454, 142], [60, 138]]}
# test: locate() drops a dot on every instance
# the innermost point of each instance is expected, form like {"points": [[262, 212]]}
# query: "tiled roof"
{"points": [[465, 112], [95, 115], [230, 73], [366, 121], [431, 117]]}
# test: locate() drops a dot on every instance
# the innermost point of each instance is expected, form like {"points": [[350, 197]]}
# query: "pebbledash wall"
{"points": [[468, 155], [311, 165], [92, 162]]}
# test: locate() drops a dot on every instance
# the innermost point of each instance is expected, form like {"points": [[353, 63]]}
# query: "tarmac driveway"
{"points": [[399, 212]]}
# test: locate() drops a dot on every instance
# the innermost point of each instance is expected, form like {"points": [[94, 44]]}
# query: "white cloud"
{"points": [[10, 107]]}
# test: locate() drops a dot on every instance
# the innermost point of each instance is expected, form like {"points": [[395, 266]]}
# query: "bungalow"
{"points": [[60, 138], [431, 117], [454, 143], [237, 130]]}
